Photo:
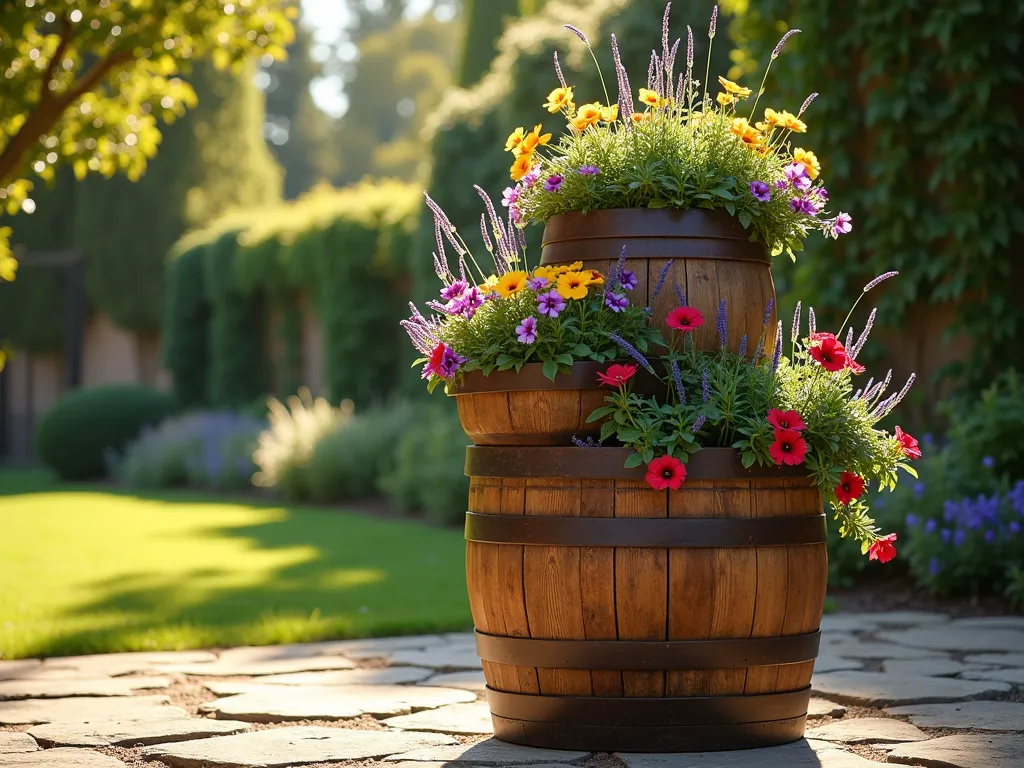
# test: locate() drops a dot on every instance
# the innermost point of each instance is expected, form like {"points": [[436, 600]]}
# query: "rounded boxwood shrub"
{"points": [[74, 436]]}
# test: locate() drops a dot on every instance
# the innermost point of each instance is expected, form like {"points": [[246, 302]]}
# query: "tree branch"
{"points": [[66, 34]]}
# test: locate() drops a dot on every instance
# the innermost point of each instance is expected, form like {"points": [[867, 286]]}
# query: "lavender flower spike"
{"points": [[714, 22], [625, 94], [722, 321], [632, 351], [796, 324], [615, 276], [576, 32], [698, 425], [661, 280], [807, 102], [743, 346], [812, 324], [778, 349], [880, 279], [705, 386], [483, 231], [558, 71], [689, 47], [680, 295], [782, 42], [677, 378], [862, 339], [768, 312], [664, 33]]}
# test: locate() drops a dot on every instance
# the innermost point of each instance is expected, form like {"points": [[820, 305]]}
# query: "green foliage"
{"points": [[77, 436], [347, 463], [428, 473], [917, 128], [485, 21]]}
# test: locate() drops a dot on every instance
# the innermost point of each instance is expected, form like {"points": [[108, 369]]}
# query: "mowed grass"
{"points": [[90, 570]]}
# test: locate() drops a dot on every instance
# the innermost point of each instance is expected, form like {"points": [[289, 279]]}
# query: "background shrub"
{"points": [[347, 462], [428, 470], [75, 436], [205, 449]]}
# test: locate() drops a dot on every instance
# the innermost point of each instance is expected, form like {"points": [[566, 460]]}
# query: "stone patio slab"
{"points": [[276, 703], [131, 733], [805, 753], [12, 741], [257, 661], [937, 667], [86, 708], [867, 730], [901, 618], [114, 664], [966, 750], [872, 650], [296, 745], [59, 689], [376, 676], [829, 662], [980, 715], [468, 680], [998, 659], [1012, 676], [489, 752], [12, 670], [818, 708], [878, 689], [992, 622], [439, 657], [472, 718], [60, 758], [961, 640]]}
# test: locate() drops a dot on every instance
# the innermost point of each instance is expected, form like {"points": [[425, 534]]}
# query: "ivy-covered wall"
{"points": [[234, 288], [918, 127]]}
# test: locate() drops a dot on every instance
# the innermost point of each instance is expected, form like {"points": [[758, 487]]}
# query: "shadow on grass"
{"points": [[298, 574]]}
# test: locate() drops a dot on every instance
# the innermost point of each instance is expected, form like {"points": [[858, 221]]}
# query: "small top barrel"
{"points": [[713, 260]]}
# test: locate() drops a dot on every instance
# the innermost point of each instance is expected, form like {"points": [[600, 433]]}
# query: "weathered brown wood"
{"points": [[597, 582], [704, 293], [641, 584], [551, 580]]}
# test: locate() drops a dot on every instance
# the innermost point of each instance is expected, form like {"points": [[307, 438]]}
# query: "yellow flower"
{"points": [[489, 284], [521, 166], [772, 117], [587, 115], [651, 98], [792, 122], [726, 99], [533, 139], [576, 266], [558, 99], [746, 132], [733, 88], [610, 114], [573, 285], [641, 116], [596, 278], [551, 273], [514, 139], [809, 160], [511, 283]]}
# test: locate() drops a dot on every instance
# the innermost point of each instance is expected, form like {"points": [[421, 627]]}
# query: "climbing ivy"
{"points": [[918, 124]]}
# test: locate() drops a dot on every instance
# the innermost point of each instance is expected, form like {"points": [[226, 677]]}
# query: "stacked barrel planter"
{"points": [[610, 616]]}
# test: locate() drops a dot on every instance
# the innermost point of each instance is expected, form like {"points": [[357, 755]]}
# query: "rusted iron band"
{"points": [[607, 711], [531, 378], [656, 532], [606, 464], [650, 655]]}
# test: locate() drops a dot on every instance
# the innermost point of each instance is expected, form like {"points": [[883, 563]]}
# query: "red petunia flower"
{"points": [[789, 447], [830, 353], [666, 472], [908, 444], [436, 356], [850, 487], [616, 375], [854, 366], [786, 420], [685, 319], [883, 550]]}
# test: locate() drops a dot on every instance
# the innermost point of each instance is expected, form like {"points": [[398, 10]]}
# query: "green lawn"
{"points": [[89, 569]]}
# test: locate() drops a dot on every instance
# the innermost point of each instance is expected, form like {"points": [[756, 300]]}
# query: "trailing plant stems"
{"points": [[600, 74], [706, 98]]}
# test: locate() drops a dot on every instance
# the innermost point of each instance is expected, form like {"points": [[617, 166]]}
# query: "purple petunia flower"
{"points": [[509, 196], [843, 224], [801, 205], [616, 302], [537, 283], [550, 303], [589, 170], [455, 290], [795, 171], [553, 183], [628, 280], [531, 177], [450, 363], [526, 331], [821, 193], [760, 191]]}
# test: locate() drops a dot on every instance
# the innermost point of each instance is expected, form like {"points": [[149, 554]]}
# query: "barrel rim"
{"points": [[581, 376], [573, 462]]}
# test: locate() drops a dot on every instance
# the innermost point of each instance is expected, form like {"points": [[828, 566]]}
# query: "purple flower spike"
{"points": [[782, 42], [576, 32], [550, 304], [589, 170], [616, 302], [714, 22], [705, 386], [553, 183], [558, 71], [677, 378], [777, 356], [526, 331], [743, 346], [722, 321], [760, 191], [698, 425], [632, 351], [768, 313]]}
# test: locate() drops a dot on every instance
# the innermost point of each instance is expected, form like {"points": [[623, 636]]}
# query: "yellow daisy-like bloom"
{"points": [[725, 99], [515, 139], [576, 266], [639, 117], [610, 114], [534, 139], [734, 88], [521, 166], [511, 283], [559, 99], [772, 117], [651, 98], [747, 133], [573, 285], [489, 284], [551, 273], [587, 115], [596, 278], [792, 122], [809, 160]]}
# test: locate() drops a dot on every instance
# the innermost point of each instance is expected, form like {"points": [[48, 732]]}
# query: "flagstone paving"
{"points": [[919, 689]]}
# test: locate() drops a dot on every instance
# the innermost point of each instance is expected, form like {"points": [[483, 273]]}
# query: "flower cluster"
{"points": [[676, 146], [800, 410]]}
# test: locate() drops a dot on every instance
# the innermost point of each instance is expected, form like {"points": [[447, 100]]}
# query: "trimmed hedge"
{"points": [[76, 437]]}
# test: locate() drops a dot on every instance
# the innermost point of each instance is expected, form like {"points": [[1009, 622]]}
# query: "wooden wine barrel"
{"points": [[527, 408], [664, 621], [712, 259]]}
